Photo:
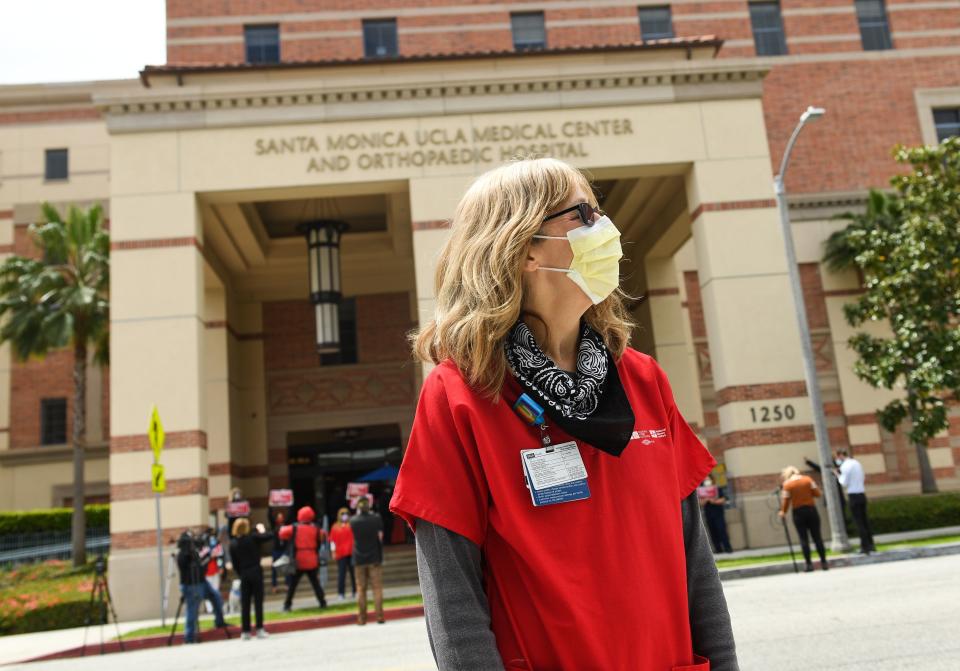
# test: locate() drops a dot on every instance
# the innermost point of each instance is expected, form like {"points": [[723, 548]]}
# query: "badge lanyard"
{"points": [[532, 414], [552, 473]]}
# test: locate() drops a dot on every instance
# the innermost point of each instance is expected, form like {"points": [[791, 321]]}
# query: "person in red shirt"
{"points": [[539, 424], [306, 538], [341, 537]]}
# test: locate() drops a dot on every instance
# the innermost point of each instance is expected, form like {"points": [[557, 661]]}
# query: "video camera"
{"points": [[197, 545]]}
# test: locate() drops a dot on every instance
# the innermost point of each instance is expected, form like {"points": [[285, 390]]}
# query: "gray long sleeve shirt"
{"points": [[458, 616]]}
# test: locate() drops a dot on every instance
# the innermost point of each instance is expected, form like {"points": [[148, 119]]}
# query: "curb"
{"points": [[843, 561], [278, 627]]}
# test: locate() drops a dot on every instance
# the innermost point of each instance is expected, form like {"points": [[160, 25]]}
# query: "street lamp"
{"points": [[838, 540], [323, 251]]}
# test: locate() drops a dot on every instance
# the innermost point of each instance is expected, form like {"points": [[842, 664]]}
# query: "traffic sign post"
{"points": [[158, 483]]}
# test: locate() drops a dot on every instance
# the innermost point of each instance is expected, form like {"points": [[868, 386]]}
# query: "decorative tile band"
{"points": [[156, 243], [752, 437], [238, 470], [431, 225], [668, 291], [173, 440], [133, 491], [732, 205], [761, 392]]}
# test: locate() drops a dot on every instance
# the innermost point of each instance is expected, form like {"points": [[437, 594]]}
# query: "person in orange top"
{"points": [[341, 537], [799, 491]]}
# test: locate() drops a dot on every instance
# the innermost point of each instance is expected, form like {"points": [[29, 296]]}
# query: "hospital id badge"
{"points": [[555, 474]]}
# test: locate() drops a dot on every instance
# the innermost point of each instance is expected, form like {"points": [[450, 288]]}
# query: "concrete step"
{"points": [[399, 568]]}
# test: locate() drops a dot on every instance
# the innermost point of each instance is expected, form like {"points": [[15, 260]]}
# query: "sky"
{"points": [[79, 40]]}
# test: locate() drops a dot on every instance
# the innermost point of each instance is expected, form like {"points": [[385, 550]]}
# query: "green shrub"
{"points": [[910, 513], [40, 597], [51, 519]]}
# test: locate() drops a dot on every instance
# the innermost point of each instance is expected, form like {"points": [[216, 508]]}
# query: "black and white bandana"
{"points": [[590, 404]]}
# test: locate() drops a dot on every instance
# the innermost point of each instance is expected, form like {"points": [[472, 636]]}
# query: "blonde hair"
{"points": [[241, 527], [479, 277], [789, 472]]}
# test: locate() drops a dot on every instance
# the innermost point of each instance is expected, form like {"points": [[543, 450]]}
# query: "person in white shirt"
{"points": [[852, 478]]}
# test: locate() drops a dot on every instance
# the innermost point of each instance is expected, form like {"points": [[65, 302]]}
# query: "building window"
{"points": [[947, 122], [529, 31], [262, 43], [874, 29], [53, 421], [655, 23], [380, 38], [348, 336], [767, 24], [56, 164]]}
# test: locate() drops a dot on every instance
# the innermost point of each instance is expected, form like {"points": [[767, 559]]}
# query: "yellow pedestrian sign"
{"points": [[157, 480], [155, 433]]}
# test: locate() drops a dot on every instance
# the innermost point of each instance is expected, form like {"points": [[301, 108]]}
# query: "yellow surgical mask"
{"points": [[596, 258]]}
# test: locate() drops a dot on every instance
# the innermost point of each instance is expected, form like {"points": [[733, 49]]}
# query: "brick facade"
{"points": [[383, 321], [869, 99]]}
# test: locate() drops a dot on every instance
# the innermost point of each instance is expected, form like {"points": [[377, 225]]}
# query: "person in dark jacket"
{"points": [[245, 553], [192, 581], [367, 530], [306, 538]]}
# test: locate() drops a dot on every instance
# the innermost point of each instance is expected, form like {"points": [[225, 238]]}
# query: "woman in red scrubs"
{"points": [[549, 477]]}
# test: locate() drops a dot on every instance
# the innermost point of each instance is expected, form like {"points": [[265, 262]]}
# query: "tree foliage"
{"points": [[906, 246]]}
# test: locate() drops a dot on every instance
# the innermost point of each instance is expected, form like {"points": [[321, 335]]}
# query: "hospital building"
{"points": [[278, 190]]}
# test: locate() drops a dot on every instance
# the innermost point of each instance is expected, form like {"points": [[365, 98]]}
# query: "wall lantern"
{"points": [[323, 251]]}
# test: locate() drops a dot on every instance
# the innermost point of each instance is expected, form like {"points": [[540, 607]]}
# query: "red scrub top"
{"points": [[593, 584]]}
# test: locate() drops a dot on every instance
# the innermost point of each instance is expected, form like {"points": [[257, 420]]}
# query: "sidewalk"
{"points": [[30, 646], [852, 558], [855, 542]]}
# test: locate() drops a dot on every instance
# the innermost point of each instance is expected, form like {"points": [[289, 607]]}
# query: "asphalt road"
{"points": [[900, 615]]}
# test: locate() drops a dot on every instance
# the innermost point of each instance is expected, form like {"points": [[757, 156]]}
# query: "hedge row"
{"points": [[51, 519], [909, 513], [49, 595]]}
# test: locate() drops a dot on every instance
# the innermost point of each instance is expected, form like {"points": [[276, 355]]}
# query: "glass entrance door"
{"points": [[322, 463]]}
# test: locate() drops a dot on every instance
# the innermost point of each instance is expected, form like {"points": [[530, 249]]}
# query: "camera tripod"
{"points": [[100, 594]]}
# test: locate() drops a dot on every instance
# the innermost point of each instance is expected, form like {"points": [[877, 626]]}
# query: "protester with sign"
{"points": [[714, 503], [537, 426], [237, 507], [305, 538], [245, 552], [213, 553], [341, 542]]}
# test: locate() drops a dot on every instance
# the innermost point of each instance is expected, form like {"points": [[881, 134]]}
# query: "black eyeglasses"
{"points": [[586, 211]]}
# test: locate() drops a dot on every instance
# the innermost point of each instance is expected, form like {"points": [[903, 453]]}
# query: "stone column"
{"points": [[765, 417], [158, 349], [248, 409], [433, 201]]}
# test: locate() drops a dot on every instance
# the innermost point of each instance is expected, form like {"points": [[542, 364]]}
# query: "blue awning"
{"points": [[383, 473]]}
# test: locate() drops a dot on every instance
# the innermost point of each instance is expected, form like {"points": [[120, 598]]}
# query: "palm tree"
{"points": [[59, 299]]}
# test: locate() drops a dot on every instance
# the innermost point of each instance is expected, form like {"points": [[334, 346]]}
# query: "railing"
{"points": [[43, 545]]}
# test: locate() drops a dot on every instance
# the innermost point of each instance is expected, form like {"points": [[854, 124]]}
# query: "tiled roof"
{"points": [[667, 43]]}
